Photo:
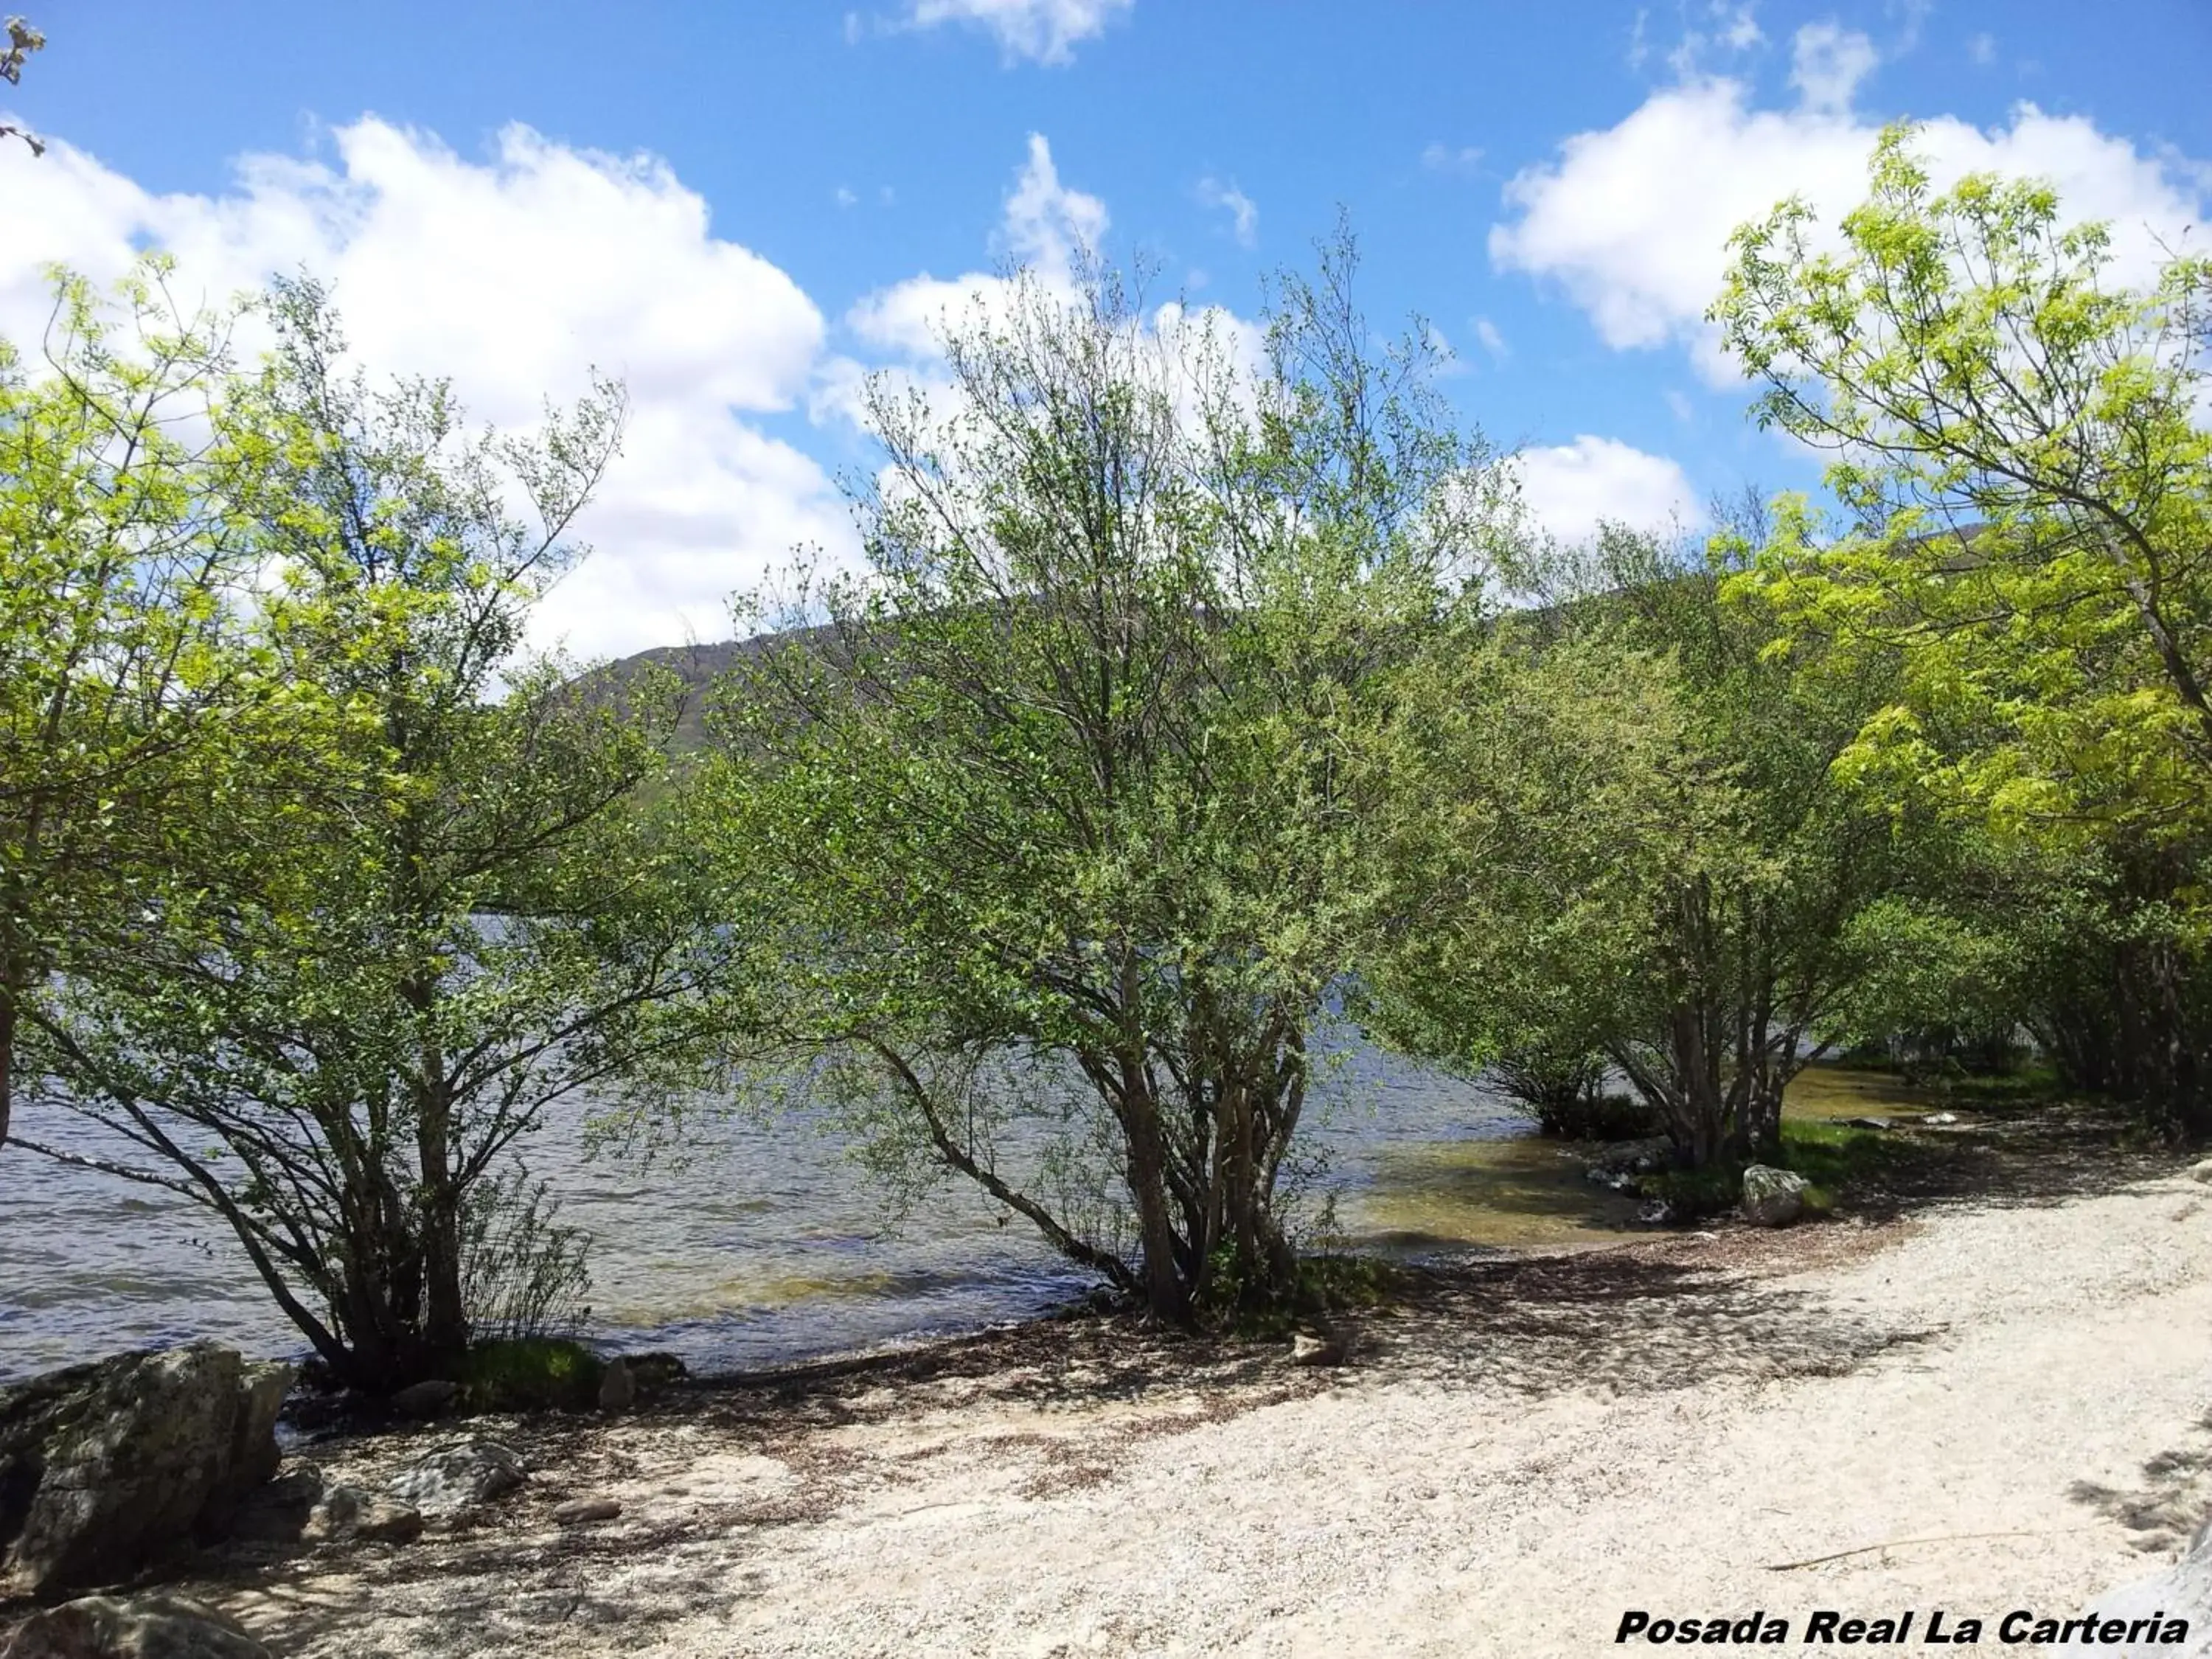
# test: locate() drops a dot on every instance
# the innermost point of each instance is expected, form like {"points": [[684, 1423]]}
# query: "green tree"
{"points": [[119, 557], [1048, 830], [2022, 452], [1659, 867], [453, 917], [1534, 788]]}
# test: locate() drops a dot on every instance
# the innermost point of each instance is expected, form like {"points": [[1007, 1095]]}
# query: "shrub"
{"points": [[530, 1374]]}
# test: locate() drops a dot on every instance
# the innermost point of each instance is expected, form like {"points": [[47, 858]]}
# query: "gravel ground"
{"points": [[1993, 1404]]}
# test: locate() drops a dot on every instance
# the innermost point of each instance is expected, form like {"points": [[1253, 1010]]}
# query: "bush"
{"points": [[1599, 1117], [530, 1374], [1567, 1097], [1327, 1284], [523, 1274]]}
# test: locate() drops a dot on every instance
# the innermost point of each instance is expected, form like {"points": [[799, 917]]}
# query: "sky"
{"points": [[745, 208]]}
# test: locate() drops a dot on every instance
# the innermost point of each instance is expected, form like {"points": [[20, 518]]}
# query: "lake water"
{"points": [[768, 1245]]}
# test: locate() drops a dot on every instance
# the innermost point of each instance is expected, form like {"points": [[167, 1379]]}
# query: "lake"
{"points": [[766, 1245]]}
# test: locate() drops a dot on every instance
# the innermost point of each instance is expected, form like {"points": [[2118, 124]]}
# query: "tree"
{"points": [[452, 919], [2024, 456], [23, 41], [1535, 786], [119, 557], [1046, 832], [1765, 925], [1635, 848]]}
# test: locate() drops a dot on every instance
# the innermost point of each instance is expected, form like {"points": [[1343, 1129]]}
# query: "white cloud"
{"points": [[1983, 49], [1043, 31], [1466, 161], [1915, 12], [513, 276], [1632, 221], [1729, 26], [1569, 488], [1047, 226], [1739, 29], [844, 197], [1048, 229], [1679, 405], [1243, 212], [1826, 64], [1493, 341]]}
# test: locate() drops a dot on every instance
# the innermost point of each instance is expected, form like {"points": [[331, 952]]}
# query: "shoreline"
{"points": [[1989, 1392], [1524, 1451]]}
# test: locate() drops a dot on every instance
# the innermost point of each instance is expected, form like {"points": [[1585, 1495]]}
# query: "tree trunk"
{"points": [[1697, 1066], [1762, 1120], [1167, 1293], [443, 1329], [9, 1016]]}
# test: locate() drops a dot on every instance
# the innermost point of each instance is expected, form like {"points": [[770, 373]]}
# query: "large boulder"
{"points": [[254, 1454], [104, 1466], [2183, 1591], [140, 1627], [1772, 1197]]}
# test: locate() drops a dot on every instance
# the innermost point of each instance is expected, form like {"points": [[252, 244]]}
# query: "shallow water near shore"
{"points": [[768, 1245]]}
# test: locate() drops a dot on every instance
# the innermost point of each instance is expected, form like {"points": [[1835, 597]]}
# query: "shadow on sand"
{"points": [[1660, 1312]]}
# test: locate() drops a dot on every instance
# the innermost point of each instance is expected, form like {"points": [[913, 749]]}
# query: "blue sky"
{"points": [[742, 208]]}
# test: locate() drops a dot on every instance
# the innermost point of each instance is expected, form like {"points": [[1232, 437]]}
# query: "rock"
{"points": [[578, 1511], [1940, 1119], [1866, 1123], [348, 1512], [1317, 1350], [652, 1372], [1619, 1164], [425, 1399], [300, 1508], [1658, 1212], [617, 1390], [1773, 1197], [278, 1512], [459, 1476], [2183, 1591], [136, 1627], [254, 1454], [105, 1465], [2201, 1171]]}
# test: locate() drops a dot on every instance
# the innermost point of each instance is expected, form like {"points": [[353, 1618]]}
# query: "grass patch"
{"points": [[2024, 1082], [2038, 1082], [530, 1374], [1835, 1158], [1838, 1159]]}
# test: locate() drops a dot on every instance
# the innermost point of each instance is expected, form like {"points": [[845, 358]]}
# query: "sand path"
{"points": [[1505, 1471]]}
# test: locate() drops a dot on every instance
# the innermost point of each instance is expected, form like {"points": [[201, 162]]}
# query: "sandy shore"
{"points": [[1531, 1450]]}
